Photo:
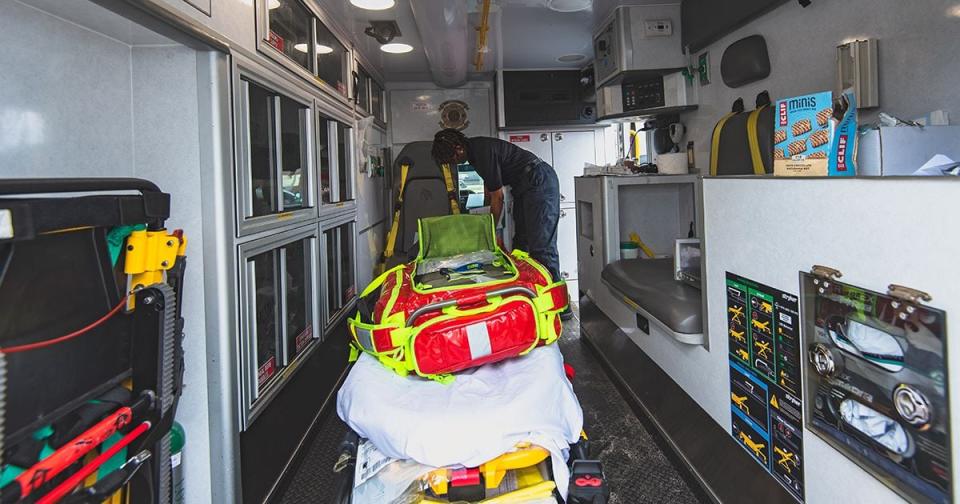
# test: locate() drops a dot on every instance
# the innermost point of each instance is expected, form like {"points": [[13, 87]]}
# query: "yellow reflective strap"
{"points": [[448, 181], [404, 170], [377, 282], [394, 294], [754, 141], [715, 144], [395, 226]]}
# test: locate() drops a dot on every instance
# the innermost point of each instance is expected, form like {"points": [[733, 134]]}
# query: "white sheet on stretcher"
{"points": [[484, 413]]}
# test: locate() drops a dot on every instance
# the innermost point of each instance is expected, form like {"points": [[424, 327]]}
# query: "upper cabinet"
{"points": [[369, 95], [294, 35]]}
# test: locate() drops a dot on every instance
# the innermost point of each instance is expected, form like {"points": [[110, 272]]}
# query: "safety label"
{"points": [[766, 401]]}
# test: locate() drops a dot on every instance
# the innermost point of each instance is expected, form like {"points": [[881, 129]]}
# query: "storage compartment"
{"points": [[292, 34], [642, 37], [339, 273], [541, 98], [278, 286], [643, 296]]}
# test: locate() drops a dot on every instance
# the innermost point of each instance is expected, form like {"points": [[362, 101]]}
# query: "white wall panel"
{"points": [[917, 42], [62, 112], [769, 230]]}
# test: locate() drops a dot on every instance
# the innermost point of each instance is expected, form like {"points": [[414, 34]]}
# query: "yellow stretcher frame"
{"points": [[524, 462]]}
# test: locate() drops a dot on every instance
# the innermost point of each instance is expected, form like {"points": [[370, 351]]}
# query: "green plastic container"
{"points": [[178, 438]]}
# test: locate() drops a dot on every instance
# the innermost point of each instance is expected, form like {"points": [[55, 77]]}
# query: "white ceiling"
{"points": [[525, 34]]}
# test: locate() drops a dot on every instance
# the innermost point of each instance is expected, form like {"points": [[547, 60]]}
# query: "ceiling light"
{"points": [[373, 4], [569, 5], [569, 58], [321, 49], [273, 4], [954, 11], [396, 48]]}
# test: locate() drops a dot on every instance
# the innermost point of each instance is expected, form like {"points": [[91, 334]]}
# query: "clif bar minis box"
{"points": [[804, 137]]}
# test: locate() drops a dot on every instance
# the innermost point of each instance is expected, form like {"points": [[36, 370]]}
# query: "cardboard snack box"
{"points": [[808, 139]]}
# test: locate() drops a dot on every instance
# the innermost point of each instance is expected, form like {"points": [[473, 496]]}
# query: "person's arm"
{"points": [[496, 205]]}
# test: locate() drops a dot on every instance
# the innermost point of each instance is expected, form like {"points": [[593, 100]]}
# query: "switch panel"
{"points": [[658, 28]]}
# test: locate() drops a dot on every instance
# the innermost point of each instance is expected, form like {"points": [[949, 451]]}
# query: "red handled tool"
{"points": [[47, 469], [76, 478]]}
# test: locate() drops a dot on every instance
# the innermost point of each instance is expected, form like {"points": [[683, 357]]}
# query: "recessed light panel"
{"points": [[396, 48], [373, 4]]}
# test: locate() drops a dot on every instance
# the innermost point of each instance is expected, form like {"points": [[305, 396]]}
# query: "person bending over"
{"points": [[533, 184]]}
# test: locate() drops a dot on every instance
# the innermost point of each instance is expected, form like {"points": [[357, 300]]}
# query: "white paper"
{"points": [[938, 165], [369, 462]]}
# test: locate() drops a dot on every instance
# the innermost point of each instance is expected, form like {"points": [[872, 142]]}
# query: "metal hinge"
{"points": [[908, 294], [825, 272]]}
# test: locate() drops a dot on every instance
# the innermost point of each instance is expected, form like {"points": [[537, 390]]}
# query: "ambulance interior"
{"points": [[209, 208]]}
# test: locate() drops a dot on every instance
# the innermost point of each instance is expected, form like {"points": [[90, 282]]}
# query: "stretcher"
{"points": [[462, 303]]}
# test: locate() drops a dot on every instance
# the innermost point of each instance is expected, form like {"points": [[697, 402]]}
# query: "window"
{"points": [[324, 155], [344, 180], [331, 60], [470, 187], [299, 329], [340, 273], [376, 101], [291, 34], [368, 94], [264, 271], [362, 89], [277, 175], [290, 24], [278, 284], [334, 144]]}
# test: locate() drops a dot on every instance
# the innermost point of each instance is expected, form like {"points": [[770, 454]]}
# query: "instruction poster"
{"points": [[765, 395]]}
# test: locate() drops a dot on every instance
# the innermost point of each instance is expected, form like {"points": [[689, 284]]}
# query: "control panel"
{"points": [[645, 94]]}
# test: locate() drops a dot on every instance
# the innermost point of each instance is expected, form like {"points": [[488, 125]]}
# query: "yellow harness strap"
{"points": [[754, 141], [395, 226], [715, 144], [451, 192]]}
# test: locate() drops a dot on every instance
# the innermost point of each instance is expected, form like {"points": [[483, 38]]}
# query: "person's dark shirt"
{"points": [[498, 162]]}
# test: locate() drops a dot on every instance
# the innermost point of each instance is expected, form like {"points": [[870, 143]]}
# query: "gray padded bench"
{"points": [[650, 285]]}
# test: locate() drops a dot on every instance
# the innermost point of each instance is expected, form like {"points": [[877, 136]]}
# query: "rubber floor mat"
{"points": [[637, 469]]}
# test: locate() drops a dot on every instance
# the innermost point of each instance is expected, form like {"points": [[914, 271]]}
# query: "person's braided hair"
{"points": [[445, 144]]}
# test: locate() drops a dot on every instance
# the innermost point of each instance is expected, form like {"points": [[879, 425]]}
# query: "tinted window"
{"points": [[323, 157], [348, 286], [265, 314], [290, 30], [331, 60], [262, 156], [299, 330], [343, 163], [294, 160]]}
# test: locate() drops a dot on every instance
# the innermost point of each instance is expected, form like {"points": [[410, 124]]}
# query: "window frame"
{"points": [[254, 400], [331, 117], [244, 74], [332, 318], [311, 73]]}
